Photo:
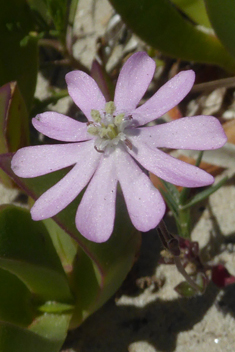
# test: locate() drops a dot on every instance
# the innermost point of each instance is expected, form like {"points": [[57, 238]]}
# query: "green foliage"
{"points": [[57, 10], [65, 246], [204, 194], [184, 289], [51, 326], [30, 274], [14, 123], [180, 202], [17, 339], [26, 250], [18, 62], [15, 300], [195, 10], [54, 16], [222, 17], [160, 25]]}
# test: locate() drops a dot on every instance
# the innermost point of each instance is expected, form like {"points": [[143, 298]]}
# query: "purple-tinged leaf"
{"points": [[103, 80], [14, 129]]}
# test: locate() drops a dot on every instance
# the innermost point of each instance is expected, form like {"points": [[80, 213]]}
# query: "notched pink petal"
{"points": [[197, 133], [168, 96], [144, 202], [42, 159], [170, 169], [85, 92], [133, 81], [66, 190], [60, 127], [96, 212]]}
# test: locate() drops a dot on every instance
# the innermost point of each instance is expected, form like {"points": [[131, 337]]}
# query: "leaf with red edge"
{"points": [[104, 82], [14, 123]]}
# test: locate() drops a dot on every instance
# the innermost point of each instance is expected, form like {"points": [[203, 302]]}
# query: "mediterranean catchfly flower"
{"points": [[113, 145]]}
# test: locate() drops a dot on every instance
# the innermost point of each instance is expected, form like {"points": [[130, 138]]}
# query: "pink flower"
{"points": [[104, 150]]}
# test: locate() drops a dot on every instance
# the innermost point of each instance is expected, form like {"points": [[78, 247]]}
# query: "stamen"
{"points": [[118, 119], [111, 131], [110, 107], [108, 128], [103, 132], [93, 130], [95, 114]]}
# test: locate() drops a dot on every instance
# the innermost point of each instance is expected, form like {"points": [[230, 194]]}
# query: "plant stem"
{"points": [[185, 275]]}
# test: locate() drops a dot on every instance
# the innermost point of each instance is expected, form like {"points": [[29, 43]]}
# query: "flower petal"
{"points": [[60, 127], [197, 133], [170, 169], [96, 212], [144, 202], [66, 190], [85, 92], [165, 98], [133, 81], [42, 159]]}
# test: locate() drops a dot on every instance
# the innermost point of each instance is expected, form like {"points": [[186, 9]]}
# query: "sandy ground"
{"points": [[157, 319]]}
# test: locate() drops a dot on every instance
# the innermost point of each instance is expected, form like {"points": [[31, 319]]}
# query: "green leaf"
{"points": [[40, 7], [65, 246], [16, 121], [17, 339], [72, 11], [194, 9], [17, 62], [57, 10], [171, 196], [160, 25], [55, 307], [204, 194], [185, 290], [14, 124], [26, 250], [172, 191], [51, 326], [170, 202], [222, 17], [99, 269], [15, 300]]}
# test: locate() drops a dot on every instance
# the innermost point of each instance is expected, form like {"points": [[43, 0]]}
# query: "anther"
{"points": [[95, 114], [110, 107]]}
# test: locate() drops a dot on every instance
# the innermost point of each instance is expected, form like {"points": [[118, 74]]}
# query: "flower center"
{"points": [[108, 127]]}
